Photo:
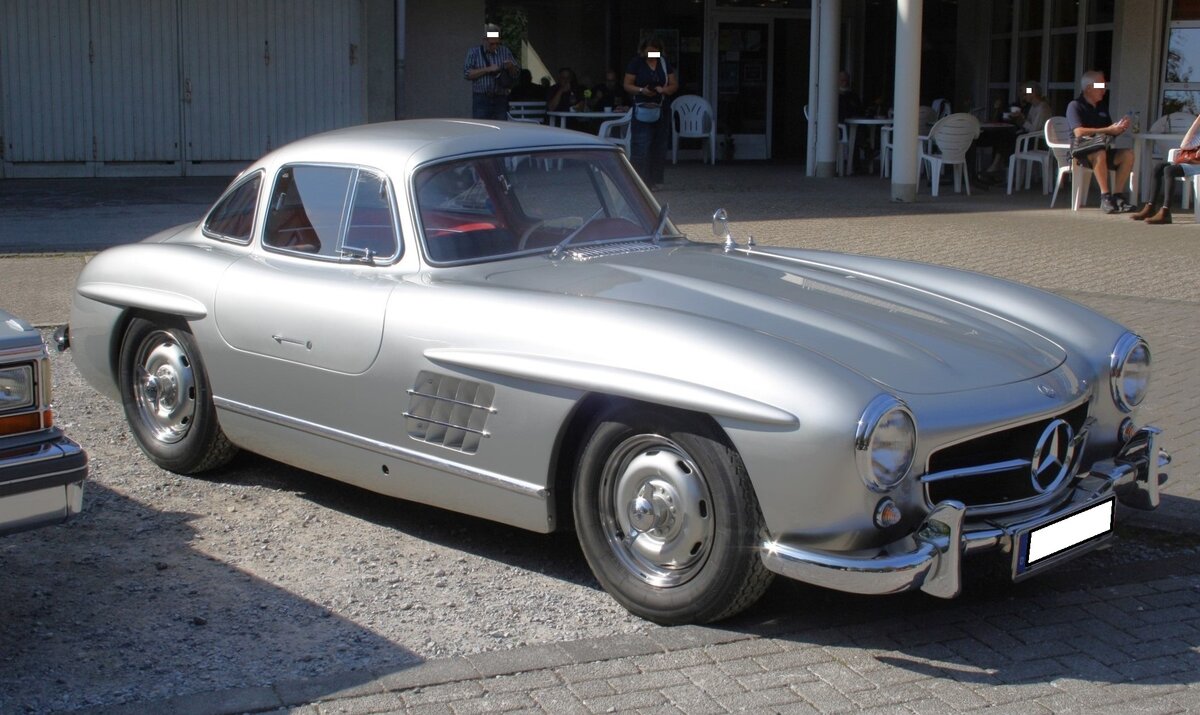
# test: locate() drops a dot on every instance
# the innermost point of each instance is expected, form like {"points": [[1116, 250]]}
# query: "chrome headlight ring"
{"points": [[885, 443], [1129, 371]]}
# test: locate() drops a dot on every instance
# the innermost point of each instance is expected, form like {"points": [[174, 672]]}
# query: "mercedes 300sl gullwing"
{"points": [[499, 319]]}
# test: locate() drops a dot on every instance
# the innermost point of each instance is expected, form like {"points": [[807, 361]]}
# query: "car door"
{"points": [[308, 311]]}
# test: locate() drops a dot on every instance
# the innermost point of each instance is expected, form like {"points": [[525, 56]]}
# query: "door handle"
{"points": [[306, 344]]}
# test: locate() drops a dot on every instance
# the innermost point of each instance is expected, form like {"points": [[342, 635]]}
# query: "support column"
{"points": [[827, 88], [907, 101], [814, 66]]}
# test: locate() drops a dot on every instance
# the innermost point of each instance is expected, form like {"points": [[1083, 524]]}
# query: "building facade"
{"points": [[179, 87]]}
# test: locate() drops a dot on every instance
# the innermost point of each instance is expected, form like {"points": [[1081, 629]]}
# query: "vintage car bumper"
{"points": [[41, 482], [931, 558]]}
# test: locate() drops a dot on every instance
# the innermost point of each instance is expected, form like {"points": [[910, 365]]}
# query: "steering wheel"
{"points": [[560, 222]]}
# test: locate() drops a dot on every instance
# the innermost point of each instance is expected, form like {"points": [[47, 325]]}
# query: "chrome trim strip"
{"points": [[449, 425], [493, 479], [25, 352], [414, 393], [979, 471]]}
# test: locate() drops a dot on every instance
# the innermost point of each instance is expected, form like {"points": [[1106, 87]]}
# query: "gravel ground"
{"points": [[262, 573], [258, 573]]}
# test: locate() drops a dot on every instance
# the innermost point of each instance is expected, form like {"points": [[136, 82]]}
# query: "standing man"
{"points": [[492, 71], [1087, 116]]}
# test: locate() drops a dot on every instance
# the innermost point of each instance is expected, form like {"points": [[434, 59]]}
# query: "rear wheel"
{"points": [[667, 518], [167, 400]]}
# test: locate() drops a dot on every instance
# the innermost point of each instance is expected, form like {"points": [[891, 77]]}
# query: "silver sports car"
{"points": [[499, 319]]}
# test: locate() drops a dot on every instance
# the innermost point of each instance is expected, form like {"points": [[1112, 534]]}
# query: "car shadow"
{"points": [[557, 554], [1102, 619], [87, 617]]}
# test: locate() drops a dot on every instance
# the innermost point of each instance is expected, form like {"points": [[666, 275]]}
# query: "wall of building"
{"points": [[1138, 52], [379, 40], [438, 34]]}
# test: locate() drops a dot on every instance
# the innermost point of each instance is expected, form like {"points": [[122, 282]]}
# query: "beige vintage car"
{"points": [[499, 319]]}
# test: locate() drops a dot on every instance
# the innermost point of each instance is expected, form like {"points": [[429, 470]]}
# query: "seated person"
{"points": [[525, 90], [566, 94], [609, 93], [1164, 178], [1087, 116]]}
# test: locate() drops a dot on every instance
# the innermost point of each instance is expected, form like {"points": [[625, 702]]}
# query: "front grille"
{"points": [[995, 469]]}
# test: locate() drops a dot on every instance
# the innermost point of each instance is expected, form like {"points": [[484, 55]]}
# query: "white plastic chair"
{"points": [[1027, 156], [925, 119], [529, 112], [843, 154], [618, 131], [947, 144], [1058, 138], [941, 108], [692, 118]]}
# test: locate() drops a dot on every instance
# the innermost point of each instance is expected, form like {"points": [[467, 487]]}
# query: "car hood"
{"points": [[905, 337]]}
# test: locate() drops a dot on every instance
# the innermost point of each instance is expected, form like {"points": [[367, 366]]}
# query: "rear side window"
{"points": [[233, 216], [331, 212]]}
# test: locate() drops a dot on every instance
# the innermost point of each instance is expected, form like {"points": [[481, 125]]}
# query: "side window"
{"points": [[372, 226], [307, 205], [233, 216]]}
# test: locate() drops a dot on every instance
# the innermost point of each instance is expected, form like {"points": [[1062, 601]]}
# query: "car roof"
{"points": [[416, 141]]}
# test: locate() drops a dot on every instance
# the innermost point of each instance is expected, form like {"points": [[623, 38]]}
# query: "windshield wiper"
{"points": [[570, 236]]}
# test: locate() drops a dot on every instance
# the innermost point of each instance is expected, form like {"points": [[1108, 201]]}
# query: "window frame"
{"points": [[234, 188], [344, 221]]}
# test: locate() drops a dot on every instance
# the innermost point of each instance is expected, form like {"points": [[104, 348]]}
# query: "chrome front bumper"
{"points": [[931, 558], [41, 482]]}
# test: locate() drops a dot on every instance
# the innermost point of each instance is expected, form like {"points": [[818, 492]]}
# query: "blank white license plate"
{"points": [[1046, 541]]}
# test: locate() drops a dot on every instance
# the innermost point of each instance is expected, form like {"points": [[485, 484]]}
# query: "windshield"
{"points": [[482, 208]]}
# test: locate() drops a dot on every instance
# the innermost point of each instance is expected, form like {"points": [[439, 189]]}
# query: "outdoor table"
{"points": [[562, 117], [852, 124], [1141, 173]]}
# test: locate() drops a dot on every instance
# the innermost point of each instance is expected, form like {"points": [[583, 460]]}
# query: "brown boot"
{"points": [[1144, 213], [1163, 216]]}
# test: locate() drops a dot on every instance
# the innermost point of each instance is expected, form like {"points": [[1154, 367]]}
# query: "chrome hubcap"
{"points": [[657, 510], [165, 388]]}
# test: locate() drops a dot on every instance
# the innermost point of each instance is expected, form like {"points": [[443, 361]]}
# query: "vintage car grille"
{"points": [[995, 472], [449, 412], [587, 253]]}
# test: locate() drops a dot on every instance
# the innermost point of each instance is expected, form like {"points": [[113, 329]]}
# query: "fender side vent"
{"points": [[449, 412]]}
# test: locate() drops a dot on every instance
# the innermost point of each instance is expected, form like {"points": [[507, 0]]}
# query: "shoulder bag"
{"points": [[1086, 146]]}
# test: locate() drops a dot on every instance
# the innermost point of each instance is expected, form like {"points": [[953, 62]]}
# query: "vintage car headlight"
{"points": [[16, 387], [1130, 371], [884, 443]]}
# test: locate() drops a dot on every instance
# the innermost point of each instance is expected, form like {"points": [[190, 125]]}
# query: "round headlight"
{"points": [[884, 443], [1130, 371]]}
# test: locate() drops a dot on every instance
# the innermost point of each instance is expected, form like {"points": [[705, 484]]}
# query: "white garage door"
{"points": [[171, 86]]}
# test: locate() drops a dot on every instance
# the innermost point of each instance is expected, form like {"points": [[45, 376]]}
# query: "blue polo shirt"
{"points": [[1082, 114]]}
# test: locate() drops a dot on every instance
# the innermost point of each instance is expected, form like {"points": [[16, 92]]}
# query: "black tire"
{"points": [[167, 399], [667, 517]]}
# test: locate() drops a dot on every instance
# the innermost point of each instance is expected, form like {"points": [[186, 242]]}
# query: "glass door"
{"points": [[743, 70]]}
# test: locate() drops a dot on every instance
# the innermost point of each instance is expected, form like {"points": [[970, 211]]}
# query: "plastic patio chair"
{"points": [[1027, 156], [947, 145], [843, 154], [1058, 138], [1191, 174], [529, 112], [925, 119], [692, 118], [618, 131]]}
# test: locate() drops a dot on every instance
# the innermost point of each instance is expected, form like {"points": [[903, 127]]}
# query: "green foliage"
{"points": [[514, 28]]}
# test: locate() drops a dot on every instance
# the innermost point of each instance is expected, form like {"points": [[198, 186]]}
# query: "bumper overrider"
{"points": [[41, 481], [931, 558]]}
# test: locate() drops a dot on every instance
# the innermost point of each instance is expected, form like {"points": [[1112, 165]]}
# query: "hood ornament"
{"points": [[720, 229]]}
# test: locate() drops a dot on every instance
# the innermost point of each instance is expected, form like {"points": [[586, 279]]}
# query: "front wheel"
{"points": [[667, 518], [167, 399]]}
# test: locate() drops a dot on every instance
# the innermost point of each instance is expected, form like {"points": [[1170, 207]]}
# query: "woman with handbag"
{"points": [[1092, 133], [650, 82], [1166, 173]]}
